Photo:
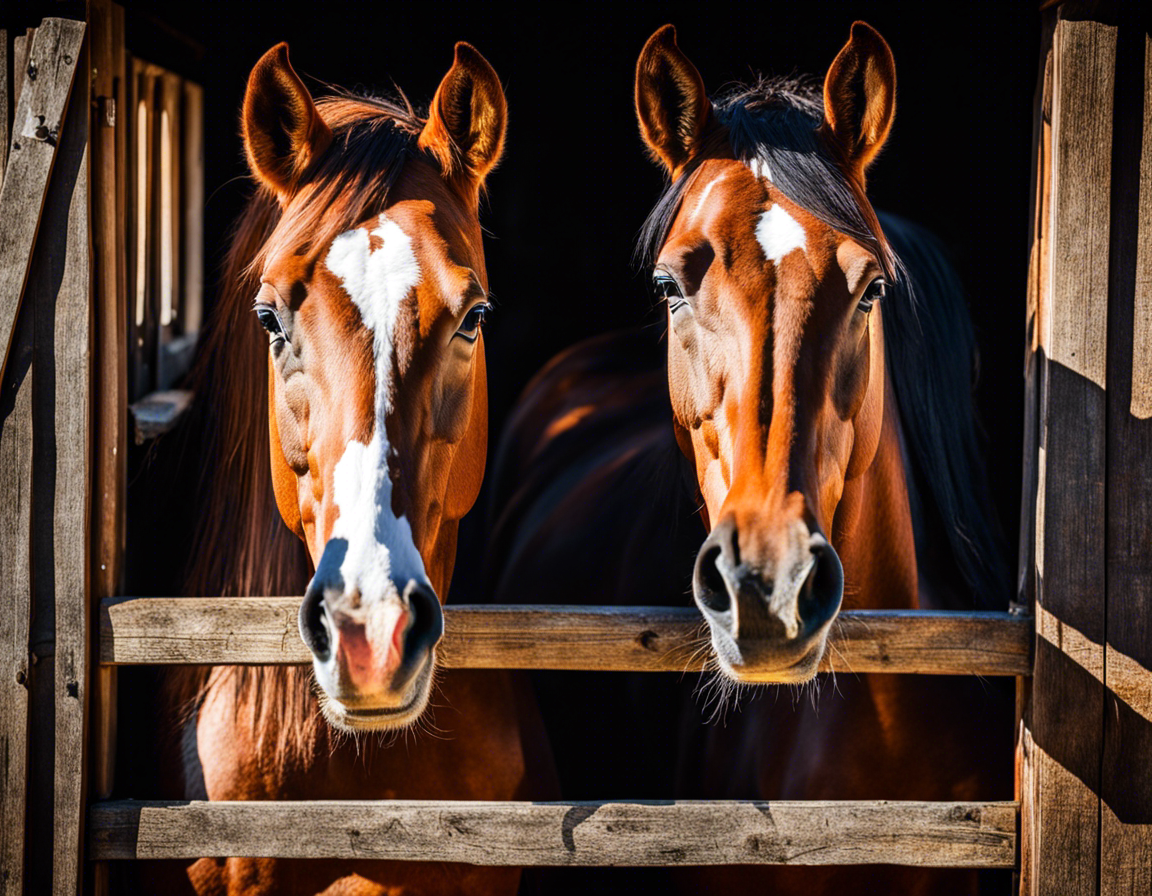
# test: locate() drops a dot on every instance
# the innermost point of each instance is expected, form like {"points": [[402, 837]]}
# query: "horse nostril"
{"points": [[823, 589], [427, 625], [711, 589], [313, 629]]}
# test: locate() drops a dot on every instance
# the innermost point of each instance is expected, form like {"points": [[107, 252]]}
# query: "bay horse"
{"points": [[816, 416], [343, 382]]}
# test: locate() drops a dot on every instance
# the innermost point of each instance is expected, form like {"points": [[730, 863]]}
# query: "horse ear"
{"points": [[860, 96], [467, 118], [671, 104], [283, 133]]}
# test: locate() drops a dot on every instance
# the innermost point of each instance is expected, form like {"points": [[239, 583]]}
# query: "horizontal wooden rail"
{"points": [[263, 630], [956, 835]]}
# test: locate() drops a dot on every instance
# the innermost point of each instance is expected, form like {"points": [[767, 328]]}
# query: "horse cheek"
{"points": [[868, 420], [467, 471], [283, 478]]}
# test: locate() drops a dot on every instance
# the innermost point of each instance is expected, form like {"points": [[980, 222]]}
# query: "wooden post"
{"points": [[110, 370], [58, 285], [1126, 770], [1086, 739], [1062, 744], [46, 64]]}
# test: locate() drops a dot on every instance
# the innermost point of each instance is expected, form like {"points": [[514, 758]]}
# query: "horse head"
{"points": [[373, 290], [774, 268]]}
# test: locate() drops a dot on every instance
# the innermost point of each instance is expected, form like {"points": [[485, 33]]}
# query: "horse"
{"points": [[344, 410], [812, 448]]}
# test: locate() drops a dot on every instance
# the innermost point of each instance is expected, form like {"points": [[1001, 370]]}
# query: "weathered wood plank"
{"points": [[15, 598], [594, 833], [70, 393], [57, 290], [1126, 772], [641, 639], [1062, 753], [37, 122]]}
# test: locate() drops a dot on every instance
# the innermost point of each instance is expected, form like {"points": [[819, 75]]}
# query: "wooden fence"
{"points": [[1084, 806]]}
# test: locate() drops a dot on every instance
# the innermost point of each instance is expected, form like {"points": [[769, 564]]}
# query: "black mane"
{"points": [[931, 349]]}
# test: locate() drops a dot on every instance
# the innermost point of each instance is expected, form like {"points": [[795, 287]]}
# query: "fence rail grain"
{"points": [[263, 630], [962, 835]]}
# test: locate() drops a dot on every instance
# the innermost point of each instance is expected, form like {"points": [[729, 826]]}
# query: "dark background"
{"points": [[565, 205]]}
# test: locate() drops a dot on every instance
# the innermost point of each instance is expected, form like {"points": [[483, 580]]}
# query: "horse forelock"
{"points": [[772, 126]]}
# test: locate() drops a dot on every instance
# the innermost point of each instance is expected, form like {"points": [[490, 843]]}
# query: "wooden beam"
{"points": [[1061, 747], [39, 116], [1126, 770], [968, 835], [194, 630]]}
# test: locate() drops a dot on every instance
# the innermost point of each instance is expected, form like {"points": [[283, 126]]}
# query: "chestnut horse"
{"points": [[345, 385], [817, 416]]}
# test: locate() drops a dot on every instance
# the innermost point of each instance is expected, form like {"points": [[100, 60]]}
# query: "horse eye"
{"points": [[473, 321], [270, 321], [873, 294], [667, 287], [669, 291]]}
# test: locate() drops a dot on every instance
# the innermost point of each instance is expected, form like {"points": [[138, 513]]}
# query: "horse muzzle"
{"points": [[769, 616], [374, 656]]}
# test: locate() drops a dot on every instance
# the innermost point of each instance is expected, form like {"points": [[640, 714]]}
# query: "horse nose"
{"points": [[785, 596], [425, 628], [314, 623]]}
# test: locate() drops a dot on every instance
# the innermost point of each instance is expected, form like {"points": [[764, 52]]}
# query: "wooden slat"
{"points": [[979, 835], [70, 394], [1126, 771], [169, 214], [641, 639], [36, 127], [1064, 725], [144, 231], [193, 192], [15, 598]]}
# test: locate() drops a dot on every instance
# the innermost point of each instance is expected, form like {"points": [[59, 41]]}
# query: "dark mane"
{"points": [[241, 546], [931, 349]]}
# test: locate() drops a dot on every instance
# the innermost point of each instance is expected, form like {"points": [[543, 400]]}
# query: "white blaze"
{"points": [[380, 545], [779, 234]]}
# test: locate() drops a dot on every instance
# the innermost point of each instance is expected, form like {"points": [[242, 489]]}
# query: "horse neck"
{"points": [[874, 531]]}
